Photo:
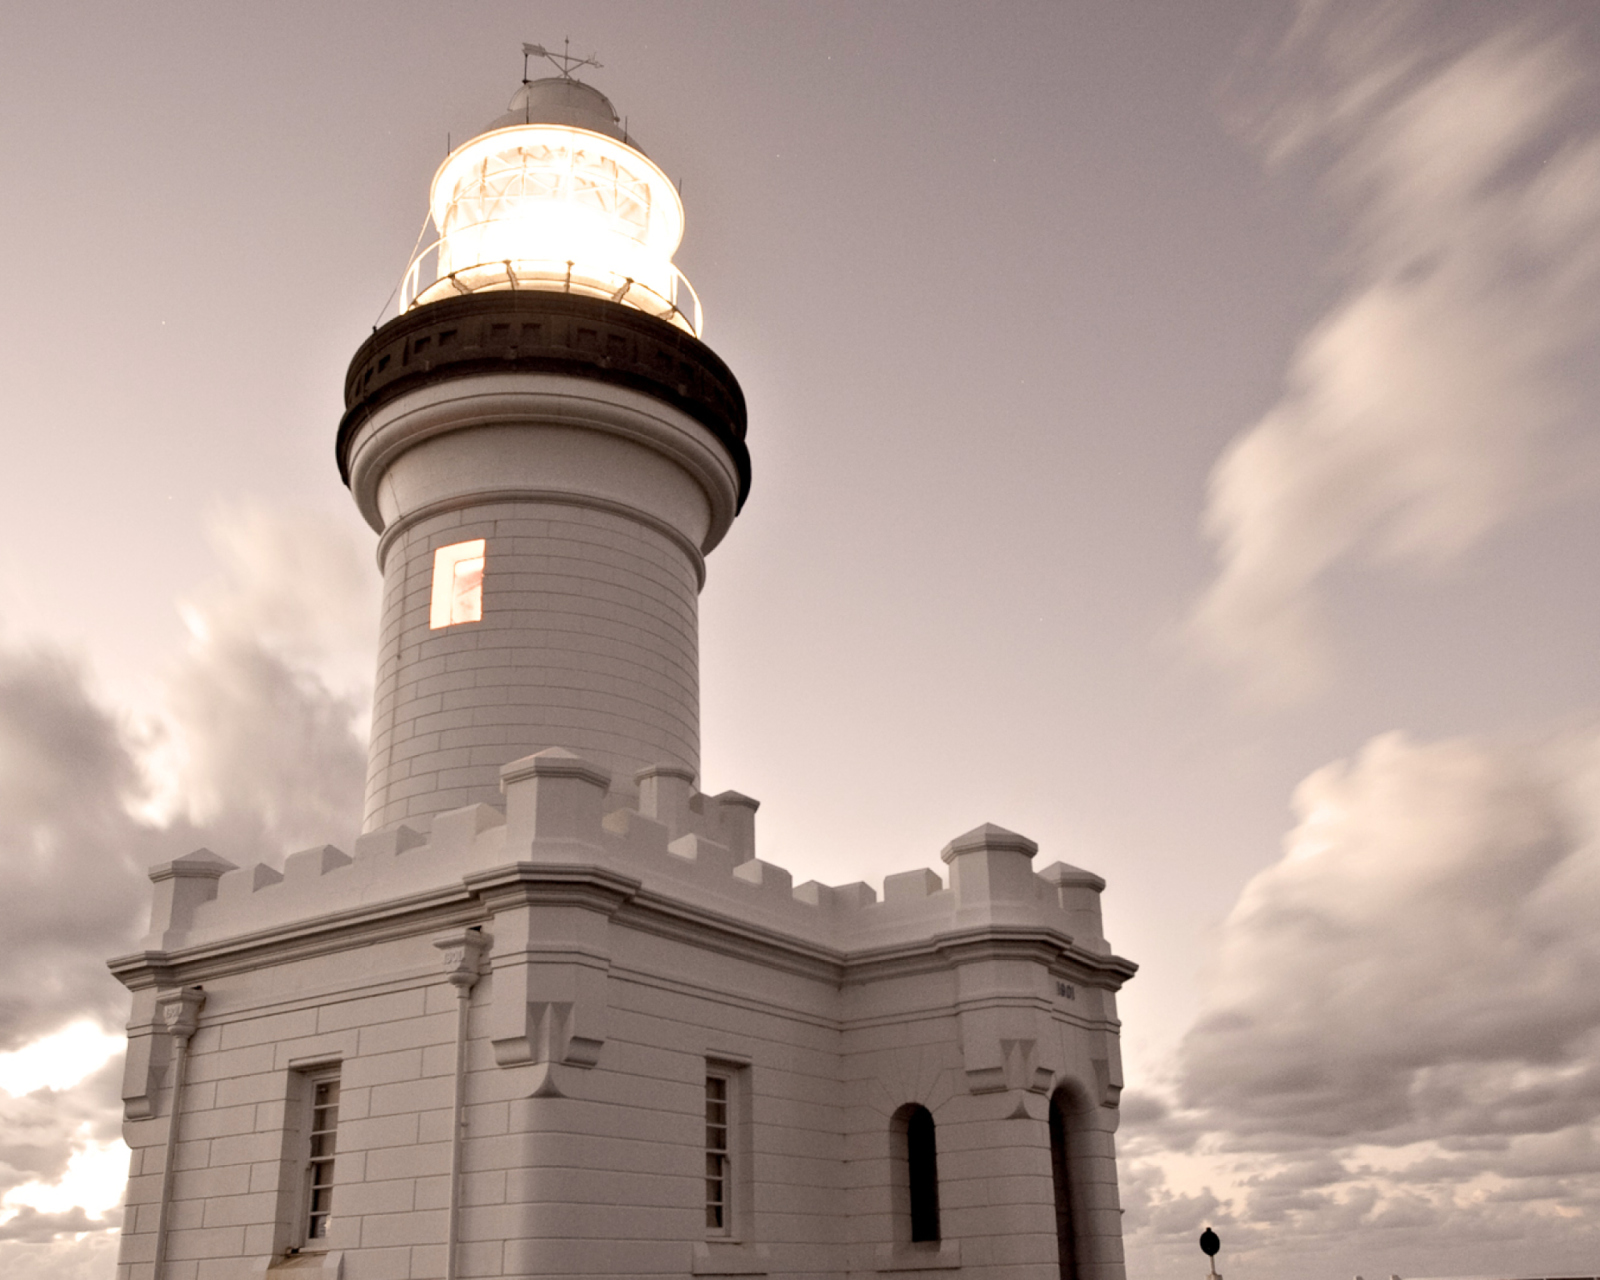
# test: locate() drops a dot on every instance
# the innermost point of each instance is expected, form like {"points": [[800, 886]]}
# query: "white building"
{"points": [[550, 1014]]}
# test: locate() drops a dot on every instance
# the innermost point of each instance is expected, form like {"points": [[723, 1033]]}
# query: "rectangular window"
{"points": [[719, 1164], [321, 1144], [729, 1152], [457, 584]]}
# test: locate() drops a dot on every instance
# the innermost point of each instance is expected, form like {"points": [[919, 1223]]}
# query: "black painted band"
{"points": [[541, 331]]}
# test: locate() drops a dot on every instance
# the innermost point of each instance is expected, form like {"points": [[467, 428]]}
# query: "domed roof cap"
{"points": [[560, 100]]}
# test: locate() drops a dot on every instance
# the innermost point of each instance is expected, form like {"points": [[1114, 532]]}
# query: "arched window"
{"points": [[1066, 1235], [916, 1160]]}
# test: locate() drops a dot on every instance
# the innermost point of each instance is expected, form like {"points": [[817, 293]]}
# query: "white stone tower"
{"points": [[550, 1015], [541, 429]]}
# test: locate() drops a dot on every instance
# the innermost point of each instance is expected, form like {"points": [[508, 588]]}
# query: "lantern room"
{"points": [[555, 196]]}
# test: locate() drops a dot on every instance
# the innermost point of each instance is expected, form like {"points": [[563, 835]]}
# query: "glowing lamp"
{"points": [[554, 195]]}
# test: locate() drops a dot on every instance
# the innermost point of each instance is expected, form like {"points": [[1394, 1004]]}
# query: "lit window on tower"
{"points": [[457, 584]]}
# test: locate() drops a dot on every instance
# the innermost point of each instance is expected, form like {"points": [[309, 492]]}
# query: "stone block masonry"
{"points": [[627, 955], [589, 637]]}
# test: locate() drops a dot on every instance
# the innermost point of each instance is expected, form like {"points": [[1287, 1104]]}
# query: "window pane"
{"points": [[717, 1180], [321, 1142], [466, 598], [457, 584], [923, 1174]]}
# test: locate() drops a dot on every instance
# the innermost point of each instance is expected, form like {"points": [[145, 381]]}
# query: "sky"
{"points": [[1174, 438]]}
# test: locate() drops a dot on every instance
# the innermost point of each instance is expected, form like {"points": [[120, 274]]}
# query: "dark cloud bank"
{"points": [[253, 755]]}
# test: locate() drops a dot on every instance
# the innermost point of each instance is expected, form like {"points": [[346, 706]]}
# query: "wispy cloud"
{"points": [[1395, 1065], [1433, 402], [262, 738]]}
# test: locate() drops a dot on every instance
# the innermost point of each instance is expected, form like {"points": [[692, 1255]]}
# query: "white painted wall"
{"points": [[625, 953]]}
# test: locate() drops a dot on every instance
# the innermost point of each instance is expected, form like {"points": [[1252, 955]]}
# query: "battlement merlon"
{"points": [[679, 851]]}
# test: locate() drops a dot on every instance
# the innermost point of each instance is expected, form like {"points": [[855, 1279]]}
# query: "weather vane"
{"points": [[563, 62]]}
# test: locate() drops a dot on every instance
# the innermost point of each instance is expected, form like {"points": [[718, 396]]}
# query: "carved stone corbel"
{"points": [[159, 1022], [462, 955], [180, 1013]]}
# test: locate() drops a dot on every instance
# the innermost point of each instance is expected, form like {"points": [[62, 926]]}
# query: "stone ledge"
{"points": [[944, 1255], [301, 1266], [729, 1258]]}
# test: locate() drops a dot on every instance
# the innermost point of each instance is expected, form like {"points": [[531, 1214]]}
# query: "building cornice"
{"points": [[479, 895], [334, 932]]}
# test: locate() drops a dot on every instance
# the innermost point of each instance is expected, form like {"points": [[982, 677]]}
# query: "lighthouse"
{"points": [[548, 452], [549, 1013]]}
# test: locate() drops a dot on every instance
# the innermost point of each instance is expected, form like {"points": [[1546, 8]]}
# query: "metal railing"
{"points": [[422, 283]]}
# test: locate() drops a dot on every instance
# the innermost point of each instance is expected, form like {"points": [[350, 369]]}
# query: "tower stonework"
{"points": [[599, 453], [550, 1014]]}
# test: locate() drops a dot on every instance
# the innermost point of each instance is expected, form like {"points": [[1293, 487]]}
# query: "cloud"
{"points": [[264, 734], [58, 1061], [301, 583], [255, 741], [1396, 1067], [1151, 1209], [257, 752], [1400, 1041], [1435, 401], [62, 1163], [66, 1257], [30, 1226], [1418, 962], [267, 759], [67, 776]]}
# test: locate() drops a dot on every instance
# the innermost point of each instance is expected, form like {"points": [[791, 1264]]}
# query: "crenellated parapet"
{"points": [[677, 844], [551, 871]]}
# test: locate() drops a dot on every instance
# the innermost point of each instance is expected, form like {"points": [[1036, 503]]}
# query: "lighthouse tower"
{"points": [[547, 452], [549, 1014]]}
